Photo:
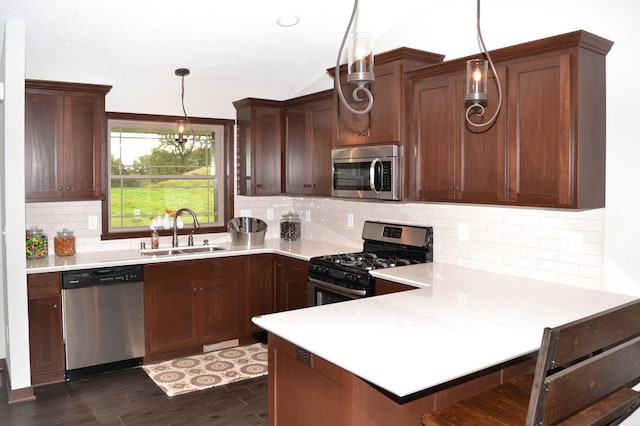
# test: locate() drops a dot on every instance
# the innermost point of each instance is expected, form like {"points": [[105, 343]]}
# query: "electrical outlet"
{"points": [[93, 222], [463, 232], [350, 220], [307, 215], [572, 242], [269, 214]]}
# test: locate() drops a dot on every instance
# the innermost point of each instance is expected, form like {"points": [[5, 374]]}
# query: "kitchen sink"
{"points": [[180, 250]]}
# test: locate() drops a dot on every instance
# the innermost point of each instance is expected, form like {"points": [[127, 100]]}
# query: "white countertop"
{"points": [[301, 249], [461, 321]]}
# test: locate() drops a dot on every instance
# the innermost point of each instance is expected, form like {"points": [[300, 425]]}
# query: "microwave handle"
{"points": [[372, 175]]}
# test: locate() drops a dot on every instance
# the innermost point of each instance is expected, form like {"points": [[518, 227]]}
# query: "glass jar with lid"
{"points": [[65, 243], [37, 243], [290, 226]]}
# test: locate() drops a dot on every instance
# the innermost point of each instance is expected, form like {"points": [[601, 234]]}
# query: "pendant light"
{"points": [[182, 73], [359, 66], [477, 77]]}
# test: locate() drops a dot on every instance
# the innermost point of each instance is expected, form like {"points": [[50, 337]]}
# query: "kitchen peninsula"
{"points": [[390, 358]]}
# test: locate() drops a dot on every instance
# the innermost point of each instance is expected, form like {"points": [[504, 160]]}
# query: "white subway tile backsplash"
{"points": [[525, 242]]}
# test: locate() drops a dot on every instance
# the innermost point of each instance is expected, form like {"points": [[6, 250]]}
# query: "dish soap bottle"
{"points": [[155, 239]]}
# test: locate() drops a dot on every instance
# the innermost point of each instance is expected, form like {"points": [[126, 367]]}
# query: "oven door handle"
{"points": [[337, 288], [372, 174]]}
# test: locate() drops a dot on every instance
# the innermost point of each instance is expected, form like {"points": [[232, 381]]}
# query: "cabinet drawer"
{"points": [[43, 284], [296, 268]]}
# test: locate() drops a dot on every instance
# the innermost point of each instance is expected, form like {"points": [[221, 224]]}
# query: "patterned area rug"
{"points": [[193, 373]]}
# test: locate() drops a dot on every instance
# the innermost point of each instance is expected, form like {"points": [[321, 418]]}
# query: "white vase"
{"points": [[179, 223], [166, 221]]}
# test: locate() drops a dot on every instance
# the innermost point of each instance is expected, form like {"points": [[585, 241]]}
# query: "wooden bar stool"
{"points": [[583, 376]]}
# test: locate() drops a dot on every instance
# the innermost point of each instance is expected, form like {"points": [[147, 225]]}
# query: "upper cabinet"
{"points": [[309, 139], [260, 146], [547, 145], [64, 140], [383, 124]]}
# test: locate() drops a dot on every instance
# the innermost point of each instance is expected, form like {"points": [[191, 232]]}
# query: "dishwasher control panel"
{"points": [[101, 276]]}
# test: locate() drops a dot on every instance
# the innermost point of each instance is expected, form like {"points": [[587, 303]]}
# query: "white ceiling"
{"points": [[232, 43]]}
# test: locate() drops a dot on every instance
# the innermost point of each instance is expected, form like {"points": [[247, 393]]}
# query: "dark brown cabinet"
{"points": [[45, 328], [306, 389], [384, 122], [64, 140], [260, 146], [309, 139], [454, 160], [291, 285], [259, 294], [547, 146], [189, 304]]}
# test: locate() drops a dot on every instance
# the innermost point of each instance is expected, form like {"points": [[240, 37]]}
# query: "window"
{"points": [[150, 174]]}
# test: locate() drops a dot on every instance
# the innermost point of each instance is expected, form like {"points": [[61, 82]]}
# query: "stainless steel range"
{"points": [[340, 277]]}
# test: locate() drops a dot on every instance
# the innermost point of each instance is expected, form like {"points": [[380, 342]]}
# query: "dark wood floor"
{"points": [[131, 398]]}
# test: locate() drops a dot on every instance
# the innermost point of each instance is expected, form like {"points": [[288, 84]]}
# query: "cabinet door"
{"points": [[259, 290], [299, 153], [169, 315], [218, 308], [44, 146], [83, 130], [433, 134], [541, 147], [351, 128], [268, 135], [322, 134], [45, 328], [480, 151], [45, 339], [291, 288]]}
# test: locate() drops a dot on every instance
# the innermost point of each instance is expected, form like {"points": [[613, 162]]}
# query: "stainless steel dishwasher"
{"points": [[103, 319]]}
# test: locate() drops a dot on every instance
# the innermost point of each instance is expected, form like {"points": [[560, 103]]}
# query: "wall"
{"points": [[13, 210]]}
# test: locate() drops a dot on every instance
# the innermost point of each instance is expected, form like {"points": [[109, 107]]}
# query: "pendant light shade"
{"points": [[477, 81]]}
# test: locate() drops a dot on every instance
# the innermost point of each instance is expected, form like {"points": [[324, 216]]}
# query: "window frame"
{"points": [[228, 173]]}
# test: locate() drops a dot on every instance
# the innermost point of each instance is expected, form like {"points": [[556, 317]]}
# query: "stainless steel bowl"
{"points": [[247, 231]]}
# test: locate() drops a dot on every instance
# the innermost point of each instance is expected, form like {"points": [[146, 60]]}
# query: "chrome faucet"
{"points": [[196, 224]]}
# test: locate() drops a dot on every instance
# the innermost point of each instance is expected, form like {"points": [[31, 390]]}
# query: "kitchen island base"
{"points": [[306, 389]]}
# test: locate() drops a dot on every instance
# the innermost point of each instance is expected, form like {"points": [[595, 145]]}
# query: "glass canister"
{"points": [[65, 243], [37, 243], [290, 226]]}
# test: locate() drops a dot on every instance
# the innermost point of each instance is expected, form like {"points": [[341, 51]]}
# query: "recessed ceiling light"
{"points": [[288, 20]]}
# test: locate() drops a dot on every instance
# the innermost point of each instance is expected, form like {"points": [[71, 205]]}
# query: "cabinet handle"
{"points": [[259, 185], [195, 289], [449, 187], [55, 306], [512, 189], [68, 188], [59, 188], [456, 187]]}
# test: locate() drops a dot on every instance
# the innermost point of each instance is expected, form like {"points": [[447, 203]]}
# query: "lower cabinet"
{"points": [[193, 303], [259, 293], [45, 328], [291, 285], [305, 389]]}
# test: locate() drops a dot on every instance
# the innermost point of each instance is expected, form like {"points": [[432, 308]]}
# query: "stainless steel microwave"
{"points": [[368, 172]]}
